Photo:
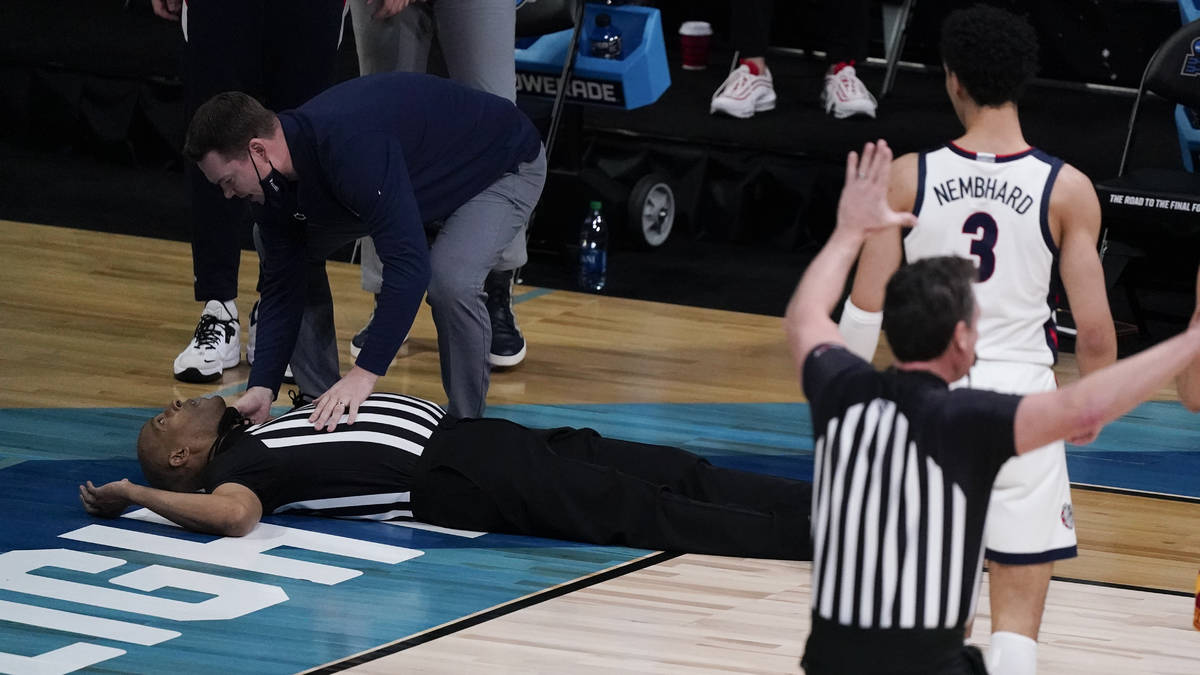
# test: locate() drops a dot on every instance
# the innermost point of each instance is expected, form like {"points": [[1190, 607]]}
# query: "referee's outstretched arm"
{"points": [[862, 210], [1080, 409]]}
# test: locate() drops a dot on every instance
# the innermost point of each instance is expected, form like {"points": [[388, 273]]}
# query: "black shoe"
{"points": [[360, 338], [508, 345]]}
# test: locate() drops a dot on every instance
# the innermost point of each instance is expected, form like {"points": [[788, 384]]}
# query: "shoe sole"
{"points": [[758, 107], [197, 376], [502, 361]]}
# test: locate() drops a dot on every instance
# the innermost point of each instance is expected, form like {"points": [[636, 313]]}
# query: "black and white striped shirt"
{"points": [[902, 476], [362, 470]]}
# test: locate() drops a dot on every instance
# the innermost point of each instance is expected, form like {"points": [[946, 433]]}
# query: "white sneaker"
{"points": [[251, 339], [744, 93], [214, 347], [845, 95]]}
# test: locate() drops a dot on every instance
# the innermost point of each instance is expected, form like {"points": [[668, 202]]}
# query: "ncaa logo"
{"points": [[1191, 62], [1068, 516]]}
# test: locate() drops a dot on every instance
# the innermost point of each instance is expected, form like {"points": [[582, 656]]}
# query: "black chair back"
{"points": [[1174, 70]]}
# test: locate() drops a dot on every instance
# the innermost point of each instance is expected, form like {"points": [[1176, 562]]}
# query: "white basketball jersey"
{"points": [[994, 209]]}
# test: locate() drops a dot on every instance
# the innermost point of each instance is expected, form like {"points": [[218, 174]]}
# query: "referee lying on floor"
{"points": [[405, 458]]}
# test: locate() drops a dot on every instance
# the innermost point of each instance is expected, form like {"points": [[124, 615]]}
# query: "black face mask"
{"points": [[274, 186]]}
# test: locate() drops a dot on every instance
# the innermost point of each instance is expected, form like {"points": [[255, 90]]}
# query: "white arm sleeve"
{"points": [[860, 330]]}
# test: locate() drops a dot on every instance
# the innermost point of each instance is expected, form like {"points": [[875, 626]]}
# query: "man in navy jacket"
{"points": [[381, 155]]}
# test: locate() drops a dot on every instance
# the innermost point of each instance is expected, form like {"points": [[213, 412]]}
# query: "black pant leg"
{"points": [[541, 493], [300, 55], [851, 24], [750, 26], [680, 471], [223, 52]]}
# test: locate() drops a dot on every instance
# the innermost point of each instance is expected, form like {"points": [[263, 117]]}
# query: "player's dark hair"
{"points": [[923, 303], [993, 52], [226, 123]]}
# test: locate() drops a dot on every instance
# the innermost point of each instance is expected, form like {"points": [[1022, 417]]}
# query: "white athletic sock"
{"points": [[860, 329], [1012, 654]]}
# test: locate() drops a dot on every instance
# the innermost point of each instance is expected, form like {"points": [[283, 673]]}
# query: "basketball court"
{"points": [[91, 321]]}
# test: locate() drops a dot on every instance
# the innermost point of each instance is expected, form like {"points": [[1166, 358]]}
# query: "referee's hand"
{"points": [[343, 399], [863, 208]]}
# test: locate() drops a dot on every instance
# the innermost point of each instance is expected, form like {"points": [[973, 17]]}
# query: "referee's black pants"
{"points": [[279, 51], [497, 476]]}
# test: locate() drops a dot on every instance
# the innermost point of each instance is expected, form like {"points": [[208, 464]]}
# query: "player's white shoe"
{"points": [[845, 95], [215, 345], [745, 92]]}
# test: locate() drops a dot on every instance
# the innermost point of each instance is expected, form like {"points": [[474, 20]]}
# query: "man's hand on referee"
{"points": [[343, 398]]}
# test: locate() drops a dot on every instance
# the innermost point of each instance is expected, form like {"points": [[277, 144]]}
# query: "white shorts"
{"points": [[1030, 519]]}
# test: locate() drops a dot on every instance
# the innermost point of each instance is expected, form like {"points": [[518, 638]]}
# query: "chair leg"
{"points": [[895, 41]]}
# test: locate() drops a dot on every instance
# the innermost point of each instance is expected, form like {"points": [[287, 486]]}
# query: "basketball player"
{"points": [[904, 465], [405, 458], [1021, 215]]}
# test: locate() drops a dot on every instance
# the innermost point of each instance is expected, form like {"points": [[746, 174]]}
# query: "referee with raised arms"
{"points": [[903, 465]]}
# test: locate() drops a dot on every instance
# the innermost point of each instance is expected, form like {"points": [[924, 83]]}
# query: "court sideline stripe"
{"points": [[1123, 587], [491, 613], [1136, 493]]}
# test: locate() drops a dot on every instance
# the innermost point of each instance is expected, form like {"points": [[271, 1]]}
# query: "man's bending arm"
{"points": [[1083, 407], [1073, 202], [231, 509], [1188, 382]]}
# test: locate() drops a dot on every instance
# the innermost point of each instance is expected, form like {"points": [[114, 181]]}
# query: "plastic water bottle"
{"points": [[605, 38], [593, 250]]}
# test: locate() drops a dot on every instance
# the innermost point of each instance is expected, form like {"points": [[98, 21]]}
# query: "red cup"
{"points": [[694, 37]]}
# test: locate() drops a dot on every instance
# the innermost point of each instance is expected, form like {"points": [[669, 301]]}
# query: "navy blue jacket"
{"points": [[385, 153]]}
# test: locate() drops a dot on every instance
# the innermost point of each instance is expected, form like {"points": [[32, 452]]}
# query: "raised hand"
{"points": [[863, 207]]}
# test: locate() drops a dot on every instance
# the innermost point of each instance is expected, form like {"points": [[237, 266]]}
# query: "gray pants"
{"points": [[476, 37], [475, 239]]}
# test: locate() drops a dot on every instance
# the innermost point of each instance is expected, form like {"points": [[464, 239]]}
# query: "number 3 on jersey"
{"points": [[983, 231]]}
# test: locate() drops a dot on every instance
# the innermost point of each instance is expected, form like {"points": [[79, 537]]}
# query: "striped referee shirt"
{"points": [[902, 476], [362, 470]]}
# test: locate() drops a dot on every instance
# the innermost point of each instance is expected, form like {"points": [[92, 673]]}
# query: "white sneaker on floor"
{"points": [[845, 95], [215, 345], [744, 93]]}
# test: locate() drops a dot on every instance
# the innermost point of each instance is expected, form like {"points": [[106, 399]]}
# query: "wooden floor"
{"points": [[92, 320]]}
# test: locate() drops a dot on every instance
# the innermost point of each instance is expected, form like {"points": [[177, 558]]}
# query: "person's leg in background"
{"points": [[222, 52], [844, 94], [283, 53], [299, 61], [470, 244], [476, 39], [749, 89]]}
